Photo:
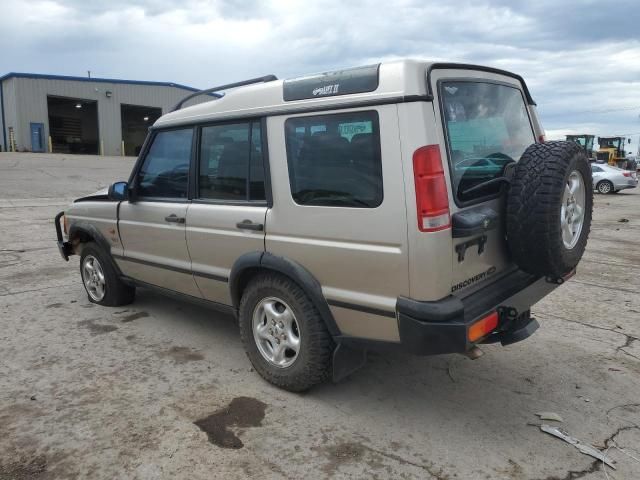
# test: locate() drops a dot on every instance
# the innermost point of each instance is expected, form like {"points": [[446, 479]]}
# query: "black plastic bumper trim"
{"points": [[210, 276], [439, 311], [362, 308]]}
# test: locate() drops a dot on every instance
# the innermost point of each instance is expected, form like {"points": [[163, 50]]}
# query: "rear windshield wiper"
{"points": [[507, 174], [487, 183]]}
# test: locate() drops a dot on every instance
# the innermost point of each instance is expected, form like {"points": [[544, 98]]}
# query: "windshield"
{"points": [[487, 128], [610, 143], [584, 141]]}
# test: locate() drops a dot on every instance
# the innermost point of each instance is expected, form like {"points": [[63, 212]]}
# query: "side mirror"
{"points": [[629, 140], [118, 191]]}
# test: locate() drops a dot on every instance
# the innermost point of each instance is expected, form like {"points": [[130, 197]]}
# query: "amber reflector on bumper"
{"points": [[483, 327]]}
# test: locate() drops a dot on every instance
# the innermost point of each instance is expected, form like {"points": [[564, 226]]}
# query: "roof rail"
{"points": [[266, 78]]}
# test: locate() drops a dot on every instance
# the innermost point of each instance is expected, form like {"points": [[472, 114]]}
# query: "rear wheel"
{"points": [[604, 187], [283, 334], [100, 279]]}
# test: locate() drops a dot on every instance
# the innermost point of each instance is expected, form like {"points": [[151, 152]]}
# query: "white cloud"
{"points": [[572, 64]]}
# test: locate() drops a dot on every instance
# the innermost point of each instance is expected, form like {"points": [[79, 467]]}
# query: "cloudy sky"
{"points": [[581, 59]]}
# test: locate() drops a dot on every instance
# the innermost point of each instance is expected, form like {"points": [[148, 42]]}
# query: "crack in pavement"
{"points": [[628, 342], [617, 289], [430, 469], [623, 406], [629, 339], [35, 290], [593, 467], [615, 264]]}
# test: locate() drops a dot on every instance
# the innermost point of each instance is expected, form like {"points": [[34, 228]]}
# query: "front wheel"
{"points": [[604, 187], [101, 280], [283, 334]]}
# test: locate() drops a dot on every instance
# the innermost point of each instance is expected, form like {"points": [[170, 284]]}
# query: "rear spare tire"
{"points": [[549, 208]]}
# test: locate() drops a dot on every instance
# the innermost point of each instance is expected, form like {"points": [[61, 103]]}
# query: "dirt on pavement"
{"points": [[160, 389]]}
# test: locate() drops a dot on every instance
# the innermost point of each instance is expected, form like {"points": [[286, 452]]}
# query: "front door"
{"points": [[227, 216], [37, 137], [152, 227]]}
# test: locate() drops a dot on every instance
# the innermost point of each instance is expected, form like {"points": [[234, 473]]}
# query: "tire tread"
{"points": [[533, 207], [316, 362]]}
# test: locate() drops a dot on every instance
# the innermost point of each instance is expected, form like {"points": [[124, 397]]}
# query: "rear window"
{"points": [[487, 127], [334, 160]]}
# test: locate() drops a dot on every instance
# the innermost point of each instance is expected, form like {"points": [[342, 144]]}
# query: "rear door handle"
{"points": [[173, 218], [249, 225]]}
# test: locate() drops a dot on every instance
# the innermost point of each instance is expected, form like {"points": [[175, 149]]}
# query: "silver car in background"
{"points": [[608, 179]]}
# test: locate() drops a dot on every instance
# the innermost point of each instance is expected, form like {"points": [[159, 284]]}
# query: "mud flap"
{"points": [[347, 360]]}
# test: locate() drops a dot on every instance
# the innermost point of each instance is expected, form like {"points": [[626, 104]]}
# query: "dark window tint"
{"points": [[596, 169], [334, 160], [231, 164], [165, 170], [487, 127]]}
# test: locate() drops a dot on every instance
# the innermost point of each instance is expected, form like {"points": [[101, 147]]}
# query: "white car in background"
{"points": [[608, 179]]}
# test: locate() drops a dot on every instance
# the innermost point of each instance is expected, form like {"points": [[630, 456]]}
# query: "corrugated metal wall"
{"points": [[10, 109], [3, 133], [26, 102]]}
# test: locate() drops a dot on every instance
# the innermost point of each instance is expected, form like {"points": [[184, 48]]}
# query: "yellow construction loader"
{"points": [[612, 151]]}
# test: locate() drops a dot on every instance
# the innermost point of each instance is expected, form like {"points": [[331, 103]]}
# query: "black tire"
{"points": [[313, 362], [605, 187], [116, 292], [534, 204]]}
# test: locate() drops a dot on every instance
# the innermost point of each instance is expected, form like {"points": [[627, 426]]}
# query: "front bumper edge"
{"points": [[65, 248]]}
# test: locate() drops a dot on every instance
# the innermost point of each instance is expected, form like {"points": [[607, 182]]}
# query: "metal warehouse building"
{"points": [[61, 114]]}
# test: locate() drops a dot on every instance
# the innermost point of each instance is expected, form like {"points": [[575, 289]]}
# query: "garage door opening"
{"points": [[73, 125], [136, 120]]}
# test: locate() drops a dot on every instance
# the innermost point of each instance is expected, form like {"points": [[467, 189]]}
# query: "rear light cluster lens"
{"points": [[626, 174], [65, 224], [483, 327], [432, 199], [542, 139]]}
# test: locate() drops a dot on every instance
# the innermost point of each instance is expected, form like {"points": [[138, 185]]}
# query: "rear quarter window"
{"points": [[334, 160], [487, 127]]}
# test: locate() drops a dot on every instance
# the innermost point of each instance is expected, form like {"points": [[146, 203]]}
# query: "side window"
{"points": [[596, 169], [231, 164], [165, 169], [335, 160]]}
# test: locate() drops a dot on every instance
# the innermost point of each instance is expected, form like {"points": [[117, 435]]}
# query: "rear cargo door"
{"points": [[485, 125]]}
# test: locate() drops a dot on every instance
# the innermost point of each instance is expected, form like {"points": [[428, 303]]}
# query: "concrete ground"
{"points": [[104, 393]]}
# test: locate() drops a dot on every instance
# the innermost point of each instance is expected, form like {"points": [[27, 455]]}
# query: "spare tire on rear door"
{"points": [[549, 208]]}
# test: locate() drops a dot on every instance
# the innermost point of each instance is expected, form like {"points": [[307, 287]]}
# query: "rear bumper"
{"points": [[65, 248], [631, 183], [430, 328]]}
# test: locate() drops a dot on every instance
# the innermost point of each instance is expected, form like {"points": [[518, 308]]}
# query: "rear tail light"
{"points": [[483, 327], [626, 174], [65, 224], [432, 199], [542, 139]]}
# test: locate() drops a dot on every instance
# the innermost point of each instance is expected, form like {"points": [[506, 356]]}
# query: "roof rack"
{"points": [[266, 78]]}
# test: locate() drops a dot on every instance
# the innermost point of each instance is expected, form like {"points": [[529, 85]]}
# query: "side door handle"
{"points": [[173, 218], [249, 225]]}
